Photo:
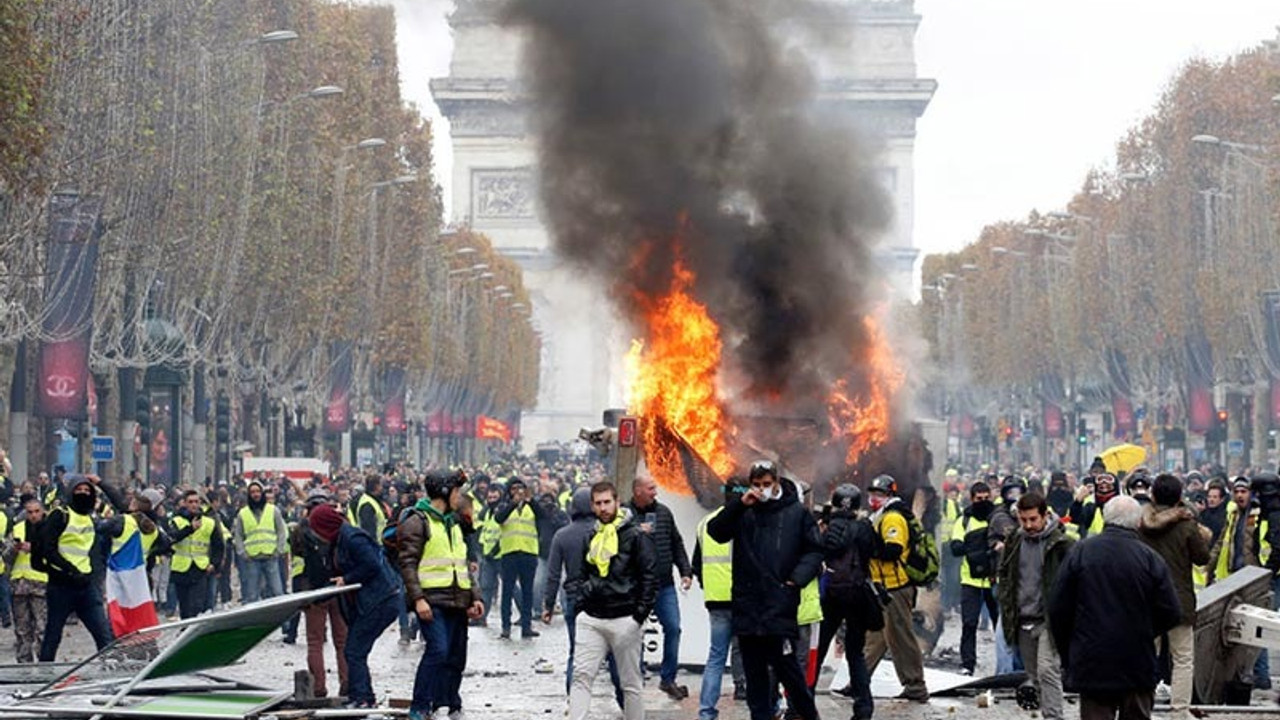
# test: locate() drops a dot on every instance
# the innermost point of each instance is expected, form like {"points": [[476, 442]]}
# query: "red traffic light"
{"points": [[1222, 416]]}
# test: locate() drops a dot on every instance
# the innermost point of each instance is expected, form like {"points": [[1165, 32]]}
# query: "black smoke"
{"points": [[690, 127]]}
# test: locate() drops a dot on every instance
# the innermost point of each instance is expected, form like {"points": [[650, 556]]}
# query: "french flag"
{"points": [[129, 602]]}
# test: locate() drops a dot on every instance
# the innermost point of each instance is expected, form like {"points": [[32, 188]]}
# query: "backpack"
{"points": [[390, 540], [922, 561]]}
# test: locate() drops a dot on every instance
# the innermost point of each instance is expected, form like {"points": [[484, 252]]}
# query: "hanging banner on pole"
{"points": [[63, 375], [337, 411]]}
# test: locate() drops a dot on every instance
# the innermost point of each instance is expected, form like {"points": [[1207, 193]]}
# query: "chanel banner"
{"points": [[63, 378], [337, 412], [393, 408]]}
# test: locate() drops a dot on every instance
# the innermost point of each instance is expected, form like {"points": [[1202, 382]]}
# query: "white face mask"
{"points": [[773, 494]]}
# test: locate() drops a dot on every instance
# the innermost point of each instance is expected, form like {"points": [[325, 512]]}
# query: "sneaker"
{"points": [[505, 635], [673, 691], [529, 634], [967, 672], [846, 691], [403, 641]]}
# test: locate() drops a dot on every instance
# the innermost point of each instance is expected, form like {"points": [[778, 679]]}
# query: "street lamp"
{"points": [[1206, 139], [367, 144], [276, 37], [322, 91], [465, 250]]}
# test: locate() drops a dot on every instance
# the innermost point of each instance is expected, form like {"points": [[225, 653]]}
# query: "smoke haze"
{"points": [[686, 127]]}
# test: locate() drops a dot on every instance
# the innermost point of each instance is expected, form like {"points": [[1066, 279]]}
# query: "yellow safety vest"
{"points": [[260, 533], [490, 532], [958, 531], [378, 512], [519, 533], [4, 530], [1223, 566], [297, 566], [194, 548], [130, 527], [444, 558], [22, 569], [148, 542], [76, 541], [717, 564], [51, 496], [810, 610], [951, 511], [1097, 523]]}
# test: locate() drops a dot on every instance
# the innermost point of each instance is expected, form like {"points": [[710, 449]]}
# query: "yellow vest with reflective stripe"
{"points": [[148, 542], [377, 511], [810, 610], [444, 558], [297, 566], [22, 561], [958, 531], [130, 527], [1223, 566], [519, 533], [717, 564], [490, 532], [259, 534], [76, 541], [4, 530], [194, 548]]}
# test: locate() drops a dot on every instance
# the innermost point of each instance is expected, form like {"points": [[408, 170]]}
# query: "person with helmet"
{"points": [[1028, 569], [777, 551], [259, 537], [970, 541], [711, 566], [1137, 485], [439, 588], [847, 546], [1086, 510], [891, 520], [565, 561], [518, 549], [64, 549], [312, 557], [29, 584]]}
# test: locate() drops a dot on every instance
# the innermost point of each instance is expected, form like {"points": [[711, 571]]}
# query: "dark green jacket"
{"points": [[1056, 546]]}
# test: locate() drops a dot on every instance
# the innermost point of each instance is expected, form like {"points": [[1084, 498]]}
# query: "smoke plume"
{"points": [[688, 128]]}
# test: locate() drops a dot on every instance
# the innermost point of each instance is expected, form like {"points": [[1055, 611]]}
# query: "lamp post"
{"points": [[340, 188]]}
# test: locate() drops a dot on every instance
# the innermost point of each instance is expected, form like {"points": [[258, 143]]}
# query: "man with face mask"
{"points": [[259, 536], [64, 549], [1059, 496], [1086, 511], [969, 541], [891, 518]]}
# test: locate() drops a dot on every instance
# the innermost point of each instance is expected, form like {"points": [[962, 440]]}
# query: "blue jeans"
{"points": [[255, 572], [361, 636], [490, 568], [721, 620], [86, 602], [6, 601], [668, 611], [571, 624], [444, 659], [518, 567]]}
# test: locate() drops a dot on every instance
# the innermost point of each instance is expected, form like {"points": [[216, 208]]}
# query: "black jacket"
{"points": [[565, 547], [548, 520], [630, 588], [667, 542], [1112, 598], [776, 551]]}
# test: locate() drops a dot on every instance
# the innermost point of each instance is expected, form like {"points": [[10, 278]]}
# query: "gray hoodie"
{"points": [[565, 547]]}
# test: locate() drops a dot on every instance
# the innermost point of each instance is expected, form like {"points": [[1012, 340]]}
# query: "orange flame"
{"points": [[672, 383], [864, 418]]}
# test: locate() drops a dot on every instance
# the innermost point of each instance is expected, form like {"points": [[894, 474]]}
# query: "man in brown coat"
{"points": [[1169, 527]]}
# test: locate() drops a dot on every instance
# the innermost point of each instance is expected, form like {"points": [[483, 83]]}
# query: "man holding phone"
{"points": [[197, 553]]}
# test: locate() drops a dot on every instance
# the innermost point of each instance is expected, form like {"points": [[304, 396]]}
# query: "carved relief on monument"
{"points": [[503, 194]]}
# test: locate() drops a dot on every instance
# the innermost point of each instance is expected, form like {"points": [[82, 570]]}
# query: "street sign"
{"points": [[1235, 448], [104, 448], [627, 432]]}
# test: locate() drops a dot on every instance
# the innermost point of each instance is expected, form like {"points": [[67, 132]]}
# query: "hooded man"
{"points": [[64, 548], [1059, 496], [314, 555], [1169, 527], [359, 559], [566, 555], [260, 537], [617, 588], [777, 551], [1086, 511], [439, 589]]}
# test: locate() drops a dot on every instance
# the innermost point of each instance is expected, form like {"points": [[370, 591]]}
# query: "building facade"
{"points": [[871, 79]]}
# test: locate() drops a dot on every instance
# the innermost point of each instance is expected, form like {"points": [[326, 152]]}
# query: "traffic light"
{"points": [[1082, 432], [142, 415], [1218, 433], [222, 420]]}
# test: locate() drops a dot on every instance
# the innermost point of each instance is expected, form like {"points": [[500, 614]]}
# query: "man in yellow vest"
{"points": [[260, 537], [29, 585], [711, 565], [490, 532], [371, 509], [518, 551], [950, 571], [64, 549], [970, 537], [439, 589], [777, 551], [198, 546]]}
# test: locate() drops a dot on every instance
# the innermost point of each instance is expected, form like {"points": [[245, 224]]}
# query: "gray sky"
{"points": [[1032, 93]]}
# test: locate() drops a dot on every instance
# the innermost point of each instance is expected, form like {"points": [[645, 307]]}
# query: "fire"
{"points": [[672, 383], [863, 417]]}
